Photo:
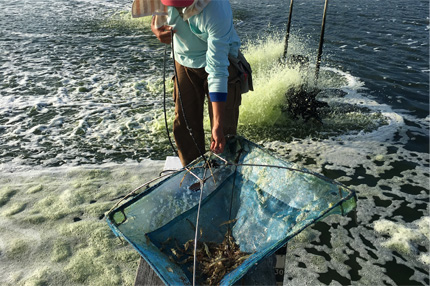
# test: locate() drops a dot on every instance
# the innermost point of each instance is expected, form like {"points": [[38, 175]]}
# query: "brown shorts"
{"points": [[193, 86]]}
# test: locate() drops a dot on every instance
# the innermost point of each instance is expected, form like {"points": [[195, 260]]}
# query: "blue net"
{"points": [[261, 200]]}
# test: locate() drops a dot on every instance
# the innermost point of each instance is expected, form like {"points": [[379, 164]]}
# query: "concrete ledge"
{"points": [[146, 276]]}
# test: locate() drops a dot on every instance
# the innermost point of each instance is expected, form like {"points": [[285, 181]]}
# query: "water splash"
{"points": [[263, 112], [124, 20]]}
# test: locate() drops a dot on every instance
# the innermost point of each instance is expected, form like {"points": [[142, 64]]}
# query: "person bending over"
{"points": [[204, 38]]}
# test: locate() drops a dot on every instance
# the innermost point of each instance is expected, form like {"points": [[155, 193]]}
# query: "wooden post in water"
{"points": [[321, 42], [288, 30]]}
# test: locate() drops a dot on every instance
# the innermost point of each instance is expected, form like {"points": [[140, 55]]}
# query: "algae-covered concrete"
{"points": [[52, 226]]}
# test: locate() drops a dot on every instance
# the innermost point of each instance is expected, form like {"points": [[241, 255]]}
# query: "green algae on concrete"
{"points": [[16, 248], [61, 250], [38, 278], [54, 219], [14, 209], [35, 189], [5, 194]]}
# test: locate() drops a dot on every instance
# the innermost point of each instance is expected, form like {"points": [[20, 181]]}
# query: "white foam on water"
{"points": [[380, 198], [360, 254], [402, 238]]}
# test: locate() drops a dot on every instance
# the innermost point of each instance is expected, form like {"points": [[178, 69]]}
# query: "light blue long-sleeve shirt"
{"points": [[206, 40]]}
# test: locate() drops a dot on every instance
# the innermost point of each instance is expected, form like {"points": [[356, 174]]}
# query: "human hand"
{"points": [[218, 140], [162, 33]]}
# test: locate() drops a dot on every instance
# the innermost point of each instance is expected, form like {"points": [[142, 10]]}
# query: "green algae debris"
{"points": [[89, 256], [38, 278], [61, 250], [89, 265], [127, 255], [35, 219], [6, 194], [35, 189], [17, 248], [14, 209], [70, 198], [58, 224], [97, 209]]}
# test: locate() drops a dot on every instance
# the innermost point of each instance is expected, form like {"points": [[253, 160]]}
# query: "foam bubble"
{"points": [[425, 258], [402, 238]]}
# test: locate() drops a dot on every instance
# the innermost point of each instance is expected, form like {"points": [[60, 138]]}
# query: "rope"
{"points": [[202, 182], [164, 101]]}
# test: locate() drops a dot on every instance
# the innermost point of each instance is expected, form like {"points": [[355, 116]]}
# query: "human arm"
{"points": [[218, 139], [220, 39]]}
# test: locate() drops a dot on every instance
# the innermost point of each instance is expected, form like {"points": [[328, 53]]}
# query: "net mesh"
{"points": [[264, 201]]}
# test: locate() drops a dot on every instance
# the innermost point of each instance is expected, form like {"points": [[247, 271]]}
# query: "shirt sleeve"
{"points": [[219, 28]]}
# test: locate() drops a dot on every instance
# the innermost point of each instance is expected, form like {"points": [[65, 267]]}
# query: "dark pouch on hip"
{"points": [[244, 71]]}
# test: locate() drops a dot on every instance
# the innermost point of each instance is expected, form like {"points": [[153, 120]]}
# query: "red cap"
{"points": [[177, 3]]}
